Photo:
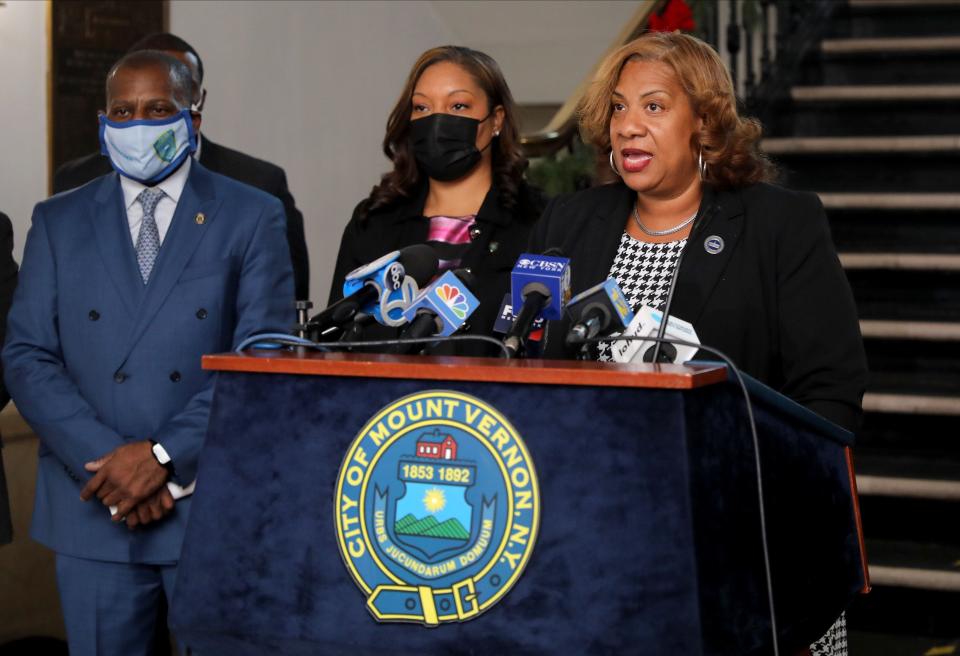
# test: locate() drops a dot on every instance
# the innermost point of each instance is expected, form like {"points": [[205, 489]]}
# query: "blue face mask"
{"points": [[148, 151]]}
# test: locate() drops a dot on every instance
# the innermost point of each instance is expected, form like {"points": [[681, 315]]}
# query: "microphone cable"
{"points": [[279, 340], [756, 453], [272, 341]]}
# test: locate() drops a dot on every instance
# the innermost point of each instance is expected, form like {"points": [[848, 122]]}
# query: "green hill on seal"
{"points": [[429, 527]]}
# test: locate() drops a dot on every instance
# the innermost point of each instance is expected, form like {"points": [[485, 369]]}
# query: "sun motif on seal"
{"points": [[434, 500]]}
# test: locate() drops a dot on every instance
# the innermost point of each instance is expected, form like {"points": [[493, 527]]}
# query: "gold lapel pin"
{"points": [[200, 218]]}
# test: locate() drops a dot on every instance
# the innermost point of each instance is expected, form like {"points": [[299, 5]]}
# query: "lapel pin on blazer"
{"points": [[200, 218], [713, 244]]}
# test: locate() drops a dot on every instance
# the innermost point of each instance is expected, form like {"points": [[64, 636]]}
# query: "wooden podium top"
{"points": [[494, 370]]}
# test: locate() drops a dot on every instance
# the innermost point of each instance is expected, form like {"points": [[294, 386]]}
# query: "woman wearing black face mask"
{"points": [[457, 183]]}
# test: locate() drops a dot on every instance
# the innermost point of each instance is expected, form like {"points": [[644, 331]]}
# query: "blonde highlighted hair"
{"points": [[730, 144]]}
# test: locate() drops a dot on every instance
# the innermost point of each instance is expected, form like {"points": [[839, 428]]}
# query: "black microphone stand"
{"points": [[697, 222]]}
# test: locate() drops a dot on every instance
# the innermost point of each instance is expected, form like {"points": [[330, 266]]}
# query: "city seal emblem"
{"points": [[437, 508]]}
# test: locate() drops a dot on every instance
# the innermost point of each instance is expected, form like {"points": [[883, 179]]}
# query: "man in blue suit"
{"points": [[125, 283]]}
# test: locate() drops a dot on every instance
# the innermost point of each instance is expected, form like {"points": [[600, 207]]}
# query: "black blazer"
{"points": [[8, 282], [775, 299], [231, 163], [491, 255]]}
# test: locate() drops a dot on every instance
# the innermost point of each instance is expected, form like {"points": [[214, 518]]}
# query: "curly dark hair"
{"points": [[730, 143], [509, 162]]}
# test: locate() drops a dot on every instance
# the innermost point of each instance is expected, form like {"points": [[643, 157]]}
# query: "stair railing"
{"points": [[562, 128], [762, 42]]}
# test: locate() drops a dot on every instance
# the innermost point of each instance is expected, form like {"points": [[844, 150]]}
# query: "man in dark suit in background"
{"points": [[8, 282], [219, 159]]}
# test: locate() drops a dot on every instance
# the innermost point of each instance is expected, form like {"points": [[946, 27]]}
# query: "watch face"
{"points": [[161, 454], [373, 267]]}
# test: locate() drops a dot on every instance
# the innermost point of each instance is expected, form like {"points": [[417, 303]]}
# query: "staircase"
{"points": [[873, 126]]}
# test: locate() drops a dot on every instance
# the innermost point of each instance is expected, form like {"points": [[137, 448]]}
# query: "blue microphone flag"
{"points": [[614, 294], [546, 274], [396, 289]]}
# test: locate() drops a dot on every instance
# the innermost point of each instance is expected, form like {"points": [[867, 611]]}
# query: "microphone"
{"points": [[378, 284], [649, 323], [542, 284], [440, 310], [600, 310]]}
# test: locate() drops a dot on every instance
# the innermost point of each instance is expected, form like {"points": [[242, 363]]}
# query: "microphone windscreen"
{"points": [[467, 278], [420, 263]]}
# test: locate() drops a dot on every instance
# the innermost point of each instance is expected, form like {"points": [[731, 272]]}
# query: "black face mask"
{"points": [[445, 145]]}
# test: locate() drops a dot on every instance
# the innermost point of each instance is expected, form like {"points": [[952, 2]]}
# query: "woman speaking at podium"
{"points": [[457, 183], [758, 278]]}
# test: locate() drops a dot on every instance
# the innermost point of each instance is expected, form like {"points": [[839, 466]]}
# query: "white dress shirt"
{"points": [[163, 214]]}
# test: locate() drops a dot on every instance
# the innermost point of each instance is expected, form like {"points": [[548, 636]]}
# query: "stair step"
{"points": [[918, 367], [907, 475], [908, 4], [933, 437], [911, 404], [878, 18], [906, 294], [870, 172], [898, 486], [914, 330], [891, 644], [915, 577], [876, 92], [907, 464], [844, 63], [901, 261], [891, 201], [884, 231], [885, 45], [910, 513], [923, 164], [907, 613], [822, 115], [913, 565], [877, 144]]}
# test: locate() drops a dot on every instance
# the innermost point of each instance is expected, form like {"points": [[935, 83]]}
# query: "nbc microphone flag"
{"points": [[449, 299]]}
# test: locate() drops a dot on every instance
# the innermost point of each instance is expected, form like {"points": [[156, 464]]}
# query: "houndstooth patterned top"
{"points": [[834, 641], [643, 271]]}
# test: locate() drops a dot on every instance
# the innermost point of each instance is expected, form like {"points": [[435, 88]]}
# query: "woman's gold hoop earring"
{"points": [[701, 166], [612, 165]]}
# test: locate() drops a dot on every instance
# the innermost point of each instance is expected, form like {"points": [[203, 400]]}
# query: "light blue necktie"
{"points": [[148, 241]]}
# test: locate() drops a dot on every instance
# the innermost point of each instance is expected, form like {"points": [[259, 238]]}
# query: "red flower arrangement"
{"points": [[673, 15]]}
